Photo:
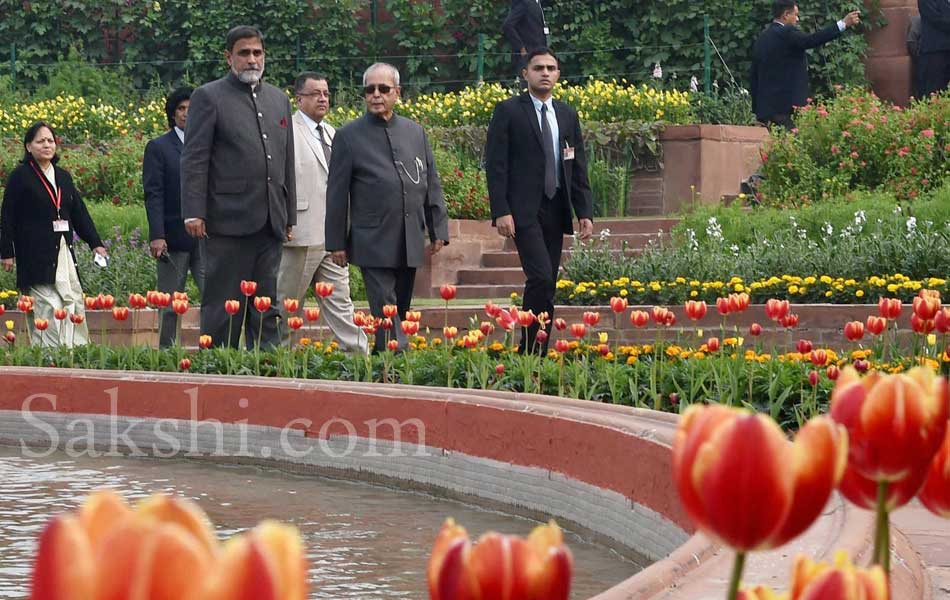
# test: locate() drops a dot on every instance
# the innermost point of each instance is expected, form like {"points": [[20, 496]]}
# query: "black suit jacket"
{"points": [[514, 163], [26, 225], [934, 26], [524, 27], [161, 178], [779, 78]]}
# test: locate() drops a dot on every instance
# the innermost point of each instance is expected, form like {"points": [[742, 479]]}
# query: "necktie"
{"points": [[550, 167], [321, 134]]}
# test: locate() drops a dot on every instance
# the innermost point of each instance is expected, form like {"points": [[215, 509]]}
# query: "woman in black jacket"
{"points": [[41, 210]]}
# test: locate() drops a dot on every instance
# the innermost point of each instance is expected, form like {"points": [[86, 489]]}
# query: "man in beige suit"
{"points": [[305, 258]]}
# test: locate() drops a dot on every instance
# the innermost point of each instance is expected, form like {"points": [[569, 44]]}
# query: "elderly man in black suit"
{"points": [[934, 47], [176, 252], [383, 196], [779, 77], [238, 189], [536, 169], [525, 29]]}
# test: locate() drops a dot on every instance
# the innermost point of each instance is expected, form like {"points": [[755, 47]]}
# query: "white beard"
{"points": [[250, 77]]}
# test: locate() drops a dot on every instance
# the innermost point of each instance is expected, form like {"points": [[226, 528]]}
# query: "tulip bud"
{"points": [[639, 318], [876, 325], [76, 319], [291, 305], [562, 346], [674, 399], [499, 369], [204, 341], [107, 301], [180, 307], [618, 305], [803, 346], [262, 303], [604, 349], [295, 323], [560, 324], [312, 313], [755, 330], [60, 314], [232, 307], [120, 313], [712, 344], [578, 330], [542, 336], [392, 345], [695, 310], [450, 332], [854, 330], [248, 288], [722, 306], [386, 324], [832, 372], [447, 292], [813, 378], [591, 319], [889, 308], [818, 357], [323, 289], [40, 324], [185, 364], [390, 311], [409, 327], [789, 321]]}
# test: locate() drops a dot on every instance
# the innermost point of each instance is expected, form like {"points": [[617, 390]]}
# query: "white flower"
{"points": [[692, 242], [714, 229], [802, 234], [828, 229], [657, 71], [897, 209], [911, 226], [693, 84], [735, 249], [604, 234], [860, 218]]}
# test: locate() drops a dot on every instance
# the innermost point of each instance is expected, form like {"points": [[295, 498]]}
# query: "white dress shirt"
{"points": [[313, 125], [181, 134], [552, 123]]}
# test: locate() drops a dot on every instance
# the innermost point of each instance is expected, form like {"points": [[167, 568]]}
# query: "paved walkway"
{"points": [[930, 536]]}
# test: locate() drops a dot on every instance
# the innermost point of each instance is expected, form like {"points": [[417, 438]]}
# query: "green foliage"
{"points": [[728, 105], [77, 77], [855, 141]]}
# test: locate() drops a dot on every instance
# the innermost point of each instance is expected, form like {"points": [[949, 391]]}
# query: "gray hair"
{"points": [[382, 65]]}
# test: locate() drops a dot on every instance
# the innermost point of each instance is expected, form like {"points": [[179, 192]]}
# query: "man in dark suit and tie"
{"points": [[525, 29], [238, 189], [536, 169], [176, 252], [779, 77], [934, 48]]}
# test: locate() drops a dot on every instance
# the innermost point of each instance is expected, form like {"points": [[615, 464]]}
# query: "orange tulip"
{"points": [[843, 581], [267, 562], [695, 310], [578, 330], [450, 332], [409, 327], [413, 315], [92, 302], [107, 301], [41, 324], [25, 304], [921, 326], [926, 307], [323, 289], [137, 301], [775, 309], [942, 320], [743, 482], [262, 303], [248, 288], [895, 422], [526, 318], [60, 314], [390, 310], [180, 306], [295, 323], [889, 308], [392, 345], [618, 304], [500, 567], [854, 330], [312, 313], [876, 325], [935, 494], [204, 341], [232, 307], [789, 321], [639, 318], [447, 292], [64, 568], [862, 492], [76, 319], [291, 305], [120, 313], [722, 306], [590, 318]]}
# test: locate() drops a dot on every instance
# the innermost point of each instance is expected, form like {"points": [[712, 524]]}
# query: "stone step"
{"points": [[494, 276], [616, 241], [499, 293], [504, 259], [636, 225]]}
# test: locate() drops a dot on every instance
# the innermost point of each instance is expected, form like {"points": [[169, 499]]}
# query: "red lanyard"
{"points": [[57, 198]]}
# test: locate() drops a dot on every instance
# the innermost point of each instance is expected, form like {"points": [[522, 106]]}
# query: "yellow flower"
{"points": [[9, 323], [602, 336]]}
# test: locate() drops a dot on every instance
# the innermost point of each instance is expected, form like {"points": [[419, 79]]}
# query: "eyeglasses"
{"points": [[318, 93], [369, 90]]}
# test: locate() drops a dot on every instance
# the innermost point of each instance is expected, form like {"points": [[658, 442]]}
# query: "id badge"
{"points": [[547, 31], [568, 153], [60, 225]]}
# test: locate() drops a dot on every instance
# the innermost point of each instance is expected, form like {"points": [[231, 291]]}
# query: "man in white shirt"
{"points": [[304, 258]]}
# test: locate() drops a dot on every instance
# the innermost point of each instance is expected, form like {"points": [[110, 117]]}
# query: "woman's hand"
{"points": [[101, 251], [8, 263]]}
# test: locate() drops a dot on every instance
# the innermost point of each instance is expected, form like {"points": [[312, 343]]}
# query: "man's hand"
{"points": [[290, 232], [505, 226], [435, 246], [196, 228], [587, 229], [8, 264], [339, 257], [852, 19], [157, 247]]}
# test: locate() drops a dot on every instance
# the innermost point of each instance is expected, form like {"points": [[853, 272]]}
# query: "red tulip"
{"points": [[295, 323], [204, 341], [861, 365], [776, 309], [578, 330], [542, 336], [618, 305], [76, 319], [248, 288], [935, 494], [120, 313], [739, 302], [499, 369], [409, 327], [180, 307], [507, 319], [25, 304], [323, 289], [926, 307], [818, 357], [741, 481], [603, 349], [390, 311], [137, 301], [41, 324], [447, 292], [486, 327], [291, 305], [92, 302], [492, 309], [3, 309], [562, 346], [526, 318], [414, 315], [854, 330], [789, 321], [895, 422], [889, 308], [813, 378], [560, 324], [712, 344], [107, 301], [449, 332], [695, 310], [722, 306], [386, 323], [876, 325], [942, 320], [179, 296], [185, 364], [9, 337], [639, 318], [262, 303], [842, 581], [500, 567], [803, 346], [591, 319], [232, 307], [60, 314], [862, 492], [392, 345], [755, 330], [312, 313], [833, 372], [921, 326]]}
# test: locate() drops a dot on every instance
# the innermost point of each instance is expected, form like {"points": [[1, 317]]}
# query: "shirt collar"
{"points": [[310, 122], [537, 103], [181, 134]]}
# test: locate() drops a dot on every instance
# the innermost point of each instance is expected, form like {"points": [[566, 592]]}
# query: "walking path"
{"points": [[930, 536]]}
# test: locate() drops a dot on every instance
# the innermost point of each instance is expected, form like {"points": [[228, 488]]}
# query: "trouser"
{"points": [[539, 248], [228, 260], [65, 293], [389, 286], [172, 275], [301, 265], [934, 72], [780, 120]]}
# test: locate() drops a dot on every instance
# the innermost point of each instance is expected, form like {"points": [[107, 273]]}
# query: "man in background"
{"points": [[176, 252], [383, 196], [934, 46], [779, 77], [304, 258], [238, 189], [525, 30]]}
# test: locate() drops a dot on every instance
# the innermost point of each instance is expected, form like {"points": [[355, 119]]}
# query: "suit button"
{"points": [[260, 115], [254, 94], [269, 157], [264, 136], [268, 179]]}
